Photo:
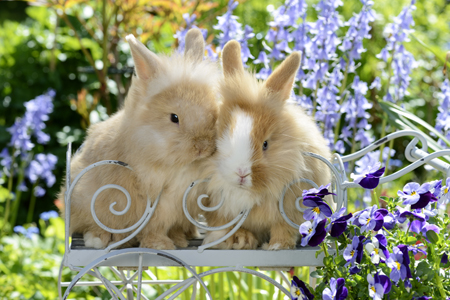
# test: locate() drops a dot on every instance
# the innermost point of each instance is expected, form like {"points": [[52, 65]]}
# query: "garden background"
{"points": [[70, 58]]}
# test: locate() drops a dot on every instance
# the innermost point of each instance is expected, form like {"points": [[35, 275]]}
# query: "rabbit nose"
{"points": [[243, 172]]}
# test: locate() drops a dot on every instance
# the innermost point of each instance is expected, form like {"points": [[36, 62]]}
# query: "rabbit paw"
{"points": [[158, 243], [243, 239], [97, 241], [179, 239], [278, 245]]}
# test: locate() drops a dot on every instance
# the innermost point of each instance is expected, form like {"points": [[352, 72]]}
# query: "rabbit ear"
{"points": [[194, 45], [146, 62], [282, 79], [231, 58]]}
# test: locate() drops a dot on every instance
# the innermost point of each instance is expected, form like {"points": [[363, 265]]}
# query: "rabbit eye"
{"points": [[265, 145], [174, 118]]}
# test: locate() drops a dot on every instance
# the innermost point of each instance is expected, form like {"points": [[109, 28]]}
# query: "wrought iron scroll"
{"points": [[239, 219]]}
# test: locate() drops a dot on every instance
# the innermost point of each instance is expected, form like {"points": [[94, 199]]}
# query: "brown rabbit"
{"points": [[164, 132], [259, 151]]}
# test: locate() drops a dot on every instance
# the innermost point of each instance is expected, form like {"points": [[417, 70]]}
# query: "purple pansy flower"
{"points": [[354, 251], [313, 233], [299, 291], [338, 222], [411, 215], [317, 194], [377, 249], [418, 196], [389, 221], [371, 219], [444, 259], [370, 177], [399, 263], [337, 290], [318, 210], [379, 285], [444, 196]]}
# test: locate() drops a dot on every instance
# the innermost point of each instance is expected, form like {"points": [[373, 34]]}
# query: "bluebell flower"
{"points": [[48, 215], [402, 61], [299, 291], [31, 231], [32, 123], [369, 178], [41, 168], [377, 249], [313, 233], [354, 251], [379, 285], [336, 291], [376, 84], [418, 196], [20, 229], [443, 116]]}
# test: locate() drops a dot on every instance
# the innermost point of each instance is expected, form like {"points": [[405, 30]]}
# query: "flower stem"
{"points": [[32, 203], [437, 268], [16, 204], [8, 198]]}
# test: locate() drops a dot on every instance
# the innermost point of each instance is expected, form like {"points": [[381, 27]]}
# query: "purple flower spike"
{"points": [[370, 178], [299, 291], [337, 290], [379, 285], [318, 210]]}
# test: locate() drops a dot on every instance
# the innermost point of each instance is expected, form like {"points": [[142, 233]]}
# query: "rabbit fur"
{"points": [[260, 142], [164, 155]]}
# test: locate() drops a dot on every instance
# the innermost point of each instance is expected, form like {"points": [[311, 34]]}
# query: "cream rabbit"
{"points": [[259, 151], [164, 132]]}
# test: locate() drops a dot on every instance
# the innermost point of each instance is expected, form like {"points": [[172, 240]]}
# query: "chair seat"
{"points": [[81, 256]]}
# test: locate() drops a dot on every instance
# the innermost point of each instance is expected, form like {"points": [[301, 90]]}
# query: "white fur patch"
{"points": [[235, 148], [214, 236], [274, 246], [91, 241]]}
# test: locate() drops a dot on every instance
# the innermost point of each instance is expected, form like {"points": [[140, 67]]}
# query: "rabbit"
{"points": [[260, 140], [165, 132]]}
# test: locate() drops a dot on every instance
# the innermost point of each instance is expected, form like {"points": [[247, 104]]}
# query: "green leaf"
{"points": [[411, 240], [432, 237], [316, 274]]}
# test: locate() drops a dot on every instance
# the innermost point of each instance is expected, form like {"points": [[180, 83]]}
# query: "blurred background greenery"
{"points": [[77, 48], [49, 44]]}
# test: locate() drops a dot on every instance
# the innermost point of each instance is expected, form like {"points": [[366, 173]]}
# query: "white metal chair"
{"points": [[128, 264]]}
